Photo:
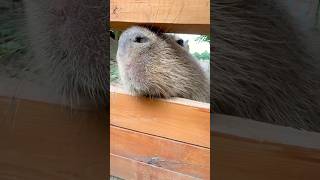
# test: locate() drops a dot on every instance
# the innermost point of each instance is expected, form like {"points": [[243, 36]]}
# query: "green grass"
{"points": [[114, 73]]}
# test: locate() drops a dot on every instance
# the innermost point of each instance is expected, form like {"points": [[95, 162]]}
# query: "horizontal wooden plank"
{"points": [[184, 16], [251, 159], [179, 157], [248, 149], [165, 11], [131, 169], [46, 141], [165, 119]]}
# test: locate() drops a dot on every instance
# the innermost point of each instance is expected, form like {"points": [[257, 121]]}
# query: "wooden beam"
{"points": [[179, 121], [46, 141], [248, 159], [180, 157], [131, 169], [249, 149], [182, 16], [167, 138]]}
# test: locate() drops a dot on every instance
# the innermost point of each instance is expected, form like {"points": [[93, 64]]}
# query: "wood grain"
{"points": [[184, 16], [130, 169], [248, 149], [167, 154], [169, 120], [245, 159]]}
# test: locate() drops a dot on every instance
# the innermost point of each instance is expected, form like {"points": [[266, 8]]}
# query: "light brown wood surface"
{"points": [[159, 138], [167, 154], [183, 16], [132, 169], [169, 120]]}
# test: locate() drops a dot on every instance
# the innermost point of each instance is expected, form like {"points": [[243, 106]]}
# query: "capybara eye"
{"points": [[112, 35], [180, 42], [140, 39]]}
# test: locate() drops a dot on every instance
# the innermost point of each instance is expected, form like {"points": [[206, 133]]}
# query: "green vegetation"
{"points": [[114, 73], [203, 38], [203, 56], [11, 40]]}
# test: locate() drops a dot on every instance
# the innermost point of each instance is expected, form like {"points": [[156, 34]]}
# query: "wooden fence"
{"points": [[159, 139], [248, 149], [42, 139], [170, 139]]}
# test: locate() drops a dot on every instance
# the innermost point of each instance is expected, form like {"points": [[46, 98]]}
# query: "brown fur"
{"points": [[68, 41], [261, 67]]}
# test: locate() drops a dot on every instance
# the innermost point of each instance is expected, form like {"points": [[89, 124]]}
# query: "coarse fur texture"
{"points": [[68, 39], [152, 63], [261, 69]]}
